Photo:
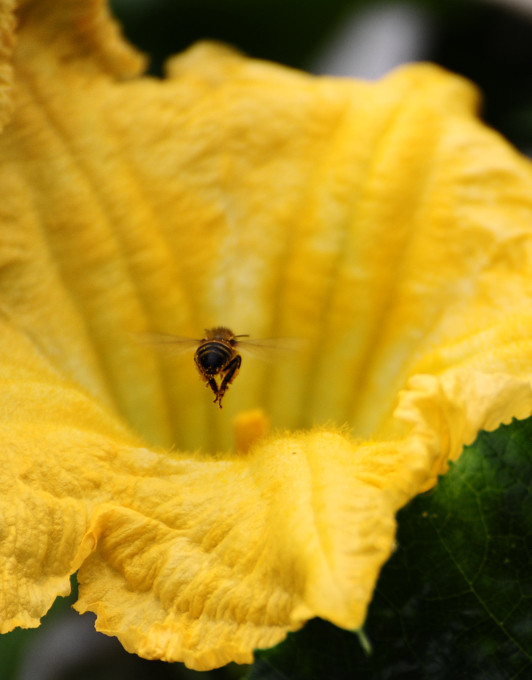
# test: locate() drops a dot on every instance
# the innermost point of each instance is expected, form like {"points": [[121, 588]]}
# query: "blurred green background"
{"points": [[489, 42]]}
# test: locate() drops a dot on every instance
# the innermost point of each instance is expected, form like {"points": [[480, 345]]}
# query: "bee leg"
{"points": [[211, 382], [231, 371]]}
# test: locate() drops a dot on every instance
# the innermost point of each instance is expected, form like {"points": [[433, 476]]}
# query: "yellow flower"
{"points": [[380, 223]]}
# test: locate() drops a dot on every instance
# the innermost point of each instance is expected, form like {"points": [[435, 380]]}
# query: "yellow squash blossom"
{"points": [[379, 223]]}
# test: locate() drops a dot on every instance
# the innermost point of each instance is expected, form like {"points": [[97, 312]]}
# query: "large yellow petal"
{"points": [[224, 556], [6, 47], [380, 223], [56, 442]]}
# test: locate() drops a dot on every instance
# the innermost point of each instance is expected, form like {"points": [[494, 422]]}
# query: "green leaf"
{"points": [[455, 600]]}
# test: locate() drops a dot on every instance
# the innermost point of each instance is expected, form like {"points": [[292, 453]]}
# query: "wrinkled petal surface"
{"points": [[379, 223]]}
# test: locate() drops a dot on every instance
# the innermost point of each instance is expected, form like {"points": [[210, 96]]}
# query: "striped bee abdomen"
{"points": [[211, 357]]}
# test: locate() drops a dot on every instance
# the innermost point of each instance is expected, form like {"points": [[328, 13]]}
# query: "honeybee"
{"points": [[217, 358], [217, 355]]}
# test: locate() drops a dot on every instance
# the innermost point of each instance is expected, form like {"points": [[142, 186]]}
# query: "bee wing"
{"points": [[167, 343], [271, 349]]}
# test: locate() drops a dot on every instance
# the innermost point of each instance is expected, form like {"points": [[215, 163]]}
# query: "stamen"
{"points": [[249, 427]]}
